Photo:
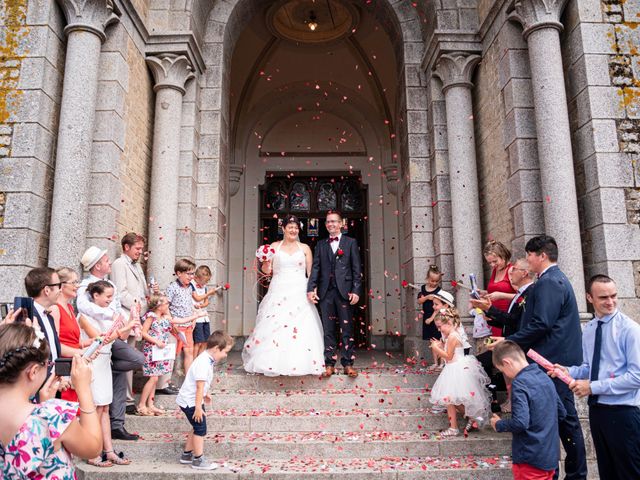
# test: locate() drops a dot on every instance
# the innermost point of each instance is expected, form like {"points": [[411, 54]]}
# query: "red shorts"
{"points": [[188, 333], [524, 471]]}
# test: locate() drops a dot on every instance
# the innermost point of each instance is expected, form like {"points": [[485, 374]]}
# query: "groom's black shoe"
{"points": [[330, 370], [350, 371]]}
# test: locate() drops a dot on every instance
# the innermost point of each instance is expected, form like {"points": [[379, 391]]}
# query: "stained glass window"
{"points": [[275, 199], [327, 198], [351, 197], [299, 197]]}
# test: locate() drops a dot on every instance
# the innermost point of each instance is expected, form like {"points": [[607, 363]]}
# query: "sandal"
{"points": [[472, 425], [450, 432], [99, 462], [119, 460], [157, 411], [144, 412]]}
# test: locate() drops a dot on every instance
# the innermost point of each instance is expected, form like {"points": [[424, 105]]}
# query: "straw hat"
{"points": [[92, 256]]}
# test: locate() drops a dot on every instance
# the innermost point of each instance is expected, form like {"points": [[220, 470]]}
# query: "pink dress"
{"points": [[30, 453]]}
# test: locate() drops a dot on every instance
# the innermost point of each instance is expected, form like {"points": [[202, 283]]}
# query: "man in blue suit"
{"points": [[551, 326]]}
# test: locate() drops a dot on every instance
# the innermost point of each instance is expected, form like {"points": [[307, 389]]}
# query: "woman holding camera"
{"points": [[40, 439]]}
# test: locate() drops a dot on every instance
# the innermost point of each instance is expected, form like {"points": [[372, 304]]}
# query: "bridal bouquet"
{"points": [[265, 253]]}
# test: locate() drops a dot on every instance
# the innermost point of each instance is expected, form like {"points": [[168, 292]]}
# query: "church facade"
{"points": [[433, 125]]}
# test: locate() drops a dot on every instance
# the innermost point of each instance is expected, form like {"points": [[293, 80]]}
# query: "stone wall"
{"points": [[491, 136], [506, 135], [600, 58], [31, 66], [624, 70], [135, 167]]}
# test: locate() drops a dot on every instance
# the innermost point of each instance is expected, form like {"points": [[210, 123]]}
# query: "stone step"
{"points": [[313, 468], [378, 378], [288, 420], [321, 399], [267, 445]]}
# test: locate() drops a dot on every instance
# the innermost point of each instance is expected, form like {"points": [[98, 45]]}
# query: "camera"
{"points": [[63, 367]]}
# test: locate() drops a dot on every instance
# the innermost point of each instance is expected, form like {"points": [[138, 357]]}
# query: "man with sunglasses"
{"points": [[43, 285]]}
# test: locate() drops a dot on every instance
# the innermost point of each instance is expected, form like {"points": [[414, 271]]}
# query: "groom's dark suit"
{"points": [[336, 275]]}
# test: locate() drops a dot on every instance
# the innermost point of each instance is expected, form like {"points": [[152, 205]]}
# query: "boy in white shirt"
{"points": [[200, 296], [195, 392]]}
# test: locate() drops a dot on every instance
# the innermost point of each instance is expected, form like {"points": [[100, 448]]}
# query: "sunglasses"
{"points": [[59, 285]]}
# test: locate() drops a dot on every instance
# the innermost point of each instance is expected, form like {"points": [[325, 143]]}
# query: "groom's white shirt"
{"points": [[335, 245]]}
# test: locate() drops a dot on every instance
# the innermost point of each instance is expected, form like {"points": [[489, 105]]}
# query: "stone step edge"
{"points": [[333, 466], [306, 437]]}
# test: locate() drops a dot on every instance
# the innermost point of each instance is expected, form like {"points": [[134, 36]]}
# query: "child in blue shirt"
{"points": [[536, 410]]}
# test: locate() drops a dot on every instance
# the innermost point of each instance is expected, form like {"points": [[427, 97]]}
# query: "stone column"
{"points": [[541, 22], [171, 73], [85, 31], [455, 71]]}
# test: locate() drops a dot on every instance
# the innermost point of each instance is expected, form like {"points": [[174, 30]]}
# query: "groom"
{"points": [[335, 283]]}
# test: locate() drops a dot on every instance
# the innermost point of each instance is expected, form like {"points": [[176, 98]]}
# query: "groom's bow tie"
{"points": [[333, 239]]}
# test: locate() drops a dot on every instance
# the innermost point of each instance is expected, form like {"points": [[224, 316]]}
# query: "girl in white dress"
{"points": [[461, 386], [101, 293], [288, 336]]}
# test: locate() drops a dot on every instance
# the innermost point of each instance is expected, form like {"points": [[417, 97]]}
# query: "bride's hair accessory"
{"points": [[292, 219]]}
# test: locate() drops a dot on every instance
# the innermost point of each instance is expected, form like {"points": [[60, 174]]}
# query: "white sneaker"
{"points": [[201, 463]]}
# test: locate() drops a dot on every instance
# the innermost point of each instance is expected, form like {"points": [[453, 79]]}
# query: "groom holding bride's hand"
{"points": [[335, 284]]}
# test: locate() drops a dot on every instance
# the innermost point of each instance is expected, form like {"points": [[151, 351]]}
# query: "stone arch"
{"points": [[407, 26]]}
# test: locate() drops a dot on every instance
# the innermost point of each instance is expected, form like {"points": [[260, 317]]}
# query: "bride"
{"points": [[288, 336]]}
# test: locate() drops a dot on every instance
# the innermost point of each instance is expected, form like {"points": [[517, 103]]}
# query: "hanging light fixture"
{"points": [[312, 24]]}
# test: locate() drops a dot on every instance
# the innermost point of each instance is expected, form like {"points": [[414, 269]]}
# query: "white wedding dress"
{"points": [[288, 336]]}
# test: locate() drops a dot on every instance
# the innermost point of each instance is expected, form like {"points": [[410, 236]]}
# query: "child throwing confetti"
{"points": [[461, 386]]}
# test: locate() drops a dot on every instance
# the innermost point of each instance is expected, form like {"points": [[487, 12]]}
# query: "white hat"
{"points": [[92, 256], [446, 297]]}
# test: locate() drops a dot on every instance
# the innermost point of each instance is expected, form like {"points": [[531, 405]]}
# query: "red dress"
{"points": [[503, 286], [69, 335]]}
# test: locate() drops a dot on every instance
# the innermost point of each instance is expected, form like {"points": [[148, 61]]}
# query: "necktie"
{"points": [[595, 362], [333, 239]]}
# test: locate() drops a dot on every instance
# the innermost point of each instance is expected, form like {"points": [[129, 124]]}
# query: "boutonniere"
{"points": [[522, 302], [339, 253]]}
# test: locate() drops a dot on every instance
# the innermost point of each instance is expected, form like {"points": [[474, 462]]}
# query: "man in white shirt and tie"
{"points": [[43, 285]]}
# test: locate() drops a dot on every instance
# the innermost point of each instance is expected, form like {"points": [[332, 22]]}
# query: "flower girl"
{"points": [[461, 386]]}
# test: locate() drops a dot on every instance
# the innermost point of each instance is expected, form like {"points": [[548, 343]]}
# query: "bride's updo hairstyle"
{"points": [[18, 351], [290, 219], [449, 315]]}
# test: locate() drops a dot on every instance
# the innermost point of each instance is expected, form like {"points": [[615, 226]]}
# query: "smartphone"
{"points": [[25, 306], [63, 367], [474, 286]]}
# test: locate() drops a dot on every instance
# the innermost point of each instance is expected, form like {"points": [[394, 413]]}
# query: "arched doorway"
{"points": [[255, 103]]}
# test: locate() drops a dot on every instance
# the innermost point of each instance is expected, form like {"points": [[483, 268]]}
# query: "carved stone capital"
{"points": [[235, 172], [536, 14], [456, 69], [88, 15], [391, 174], [170, 71]]}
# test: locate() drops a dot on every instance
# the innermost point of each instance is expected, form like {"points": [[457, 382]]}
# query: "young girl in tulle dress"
{"points": [[461, 387]]}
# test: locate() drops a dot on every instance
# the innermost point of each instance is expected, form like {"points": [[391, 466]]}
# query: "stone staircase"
{"points": [[378, 425]]}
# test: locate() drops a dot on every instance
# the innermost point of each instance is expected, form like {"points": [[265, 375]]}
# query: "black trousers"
{"points": [[497, 379], [615, 430], [337, 319], [575, 464], [124, 358]]}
